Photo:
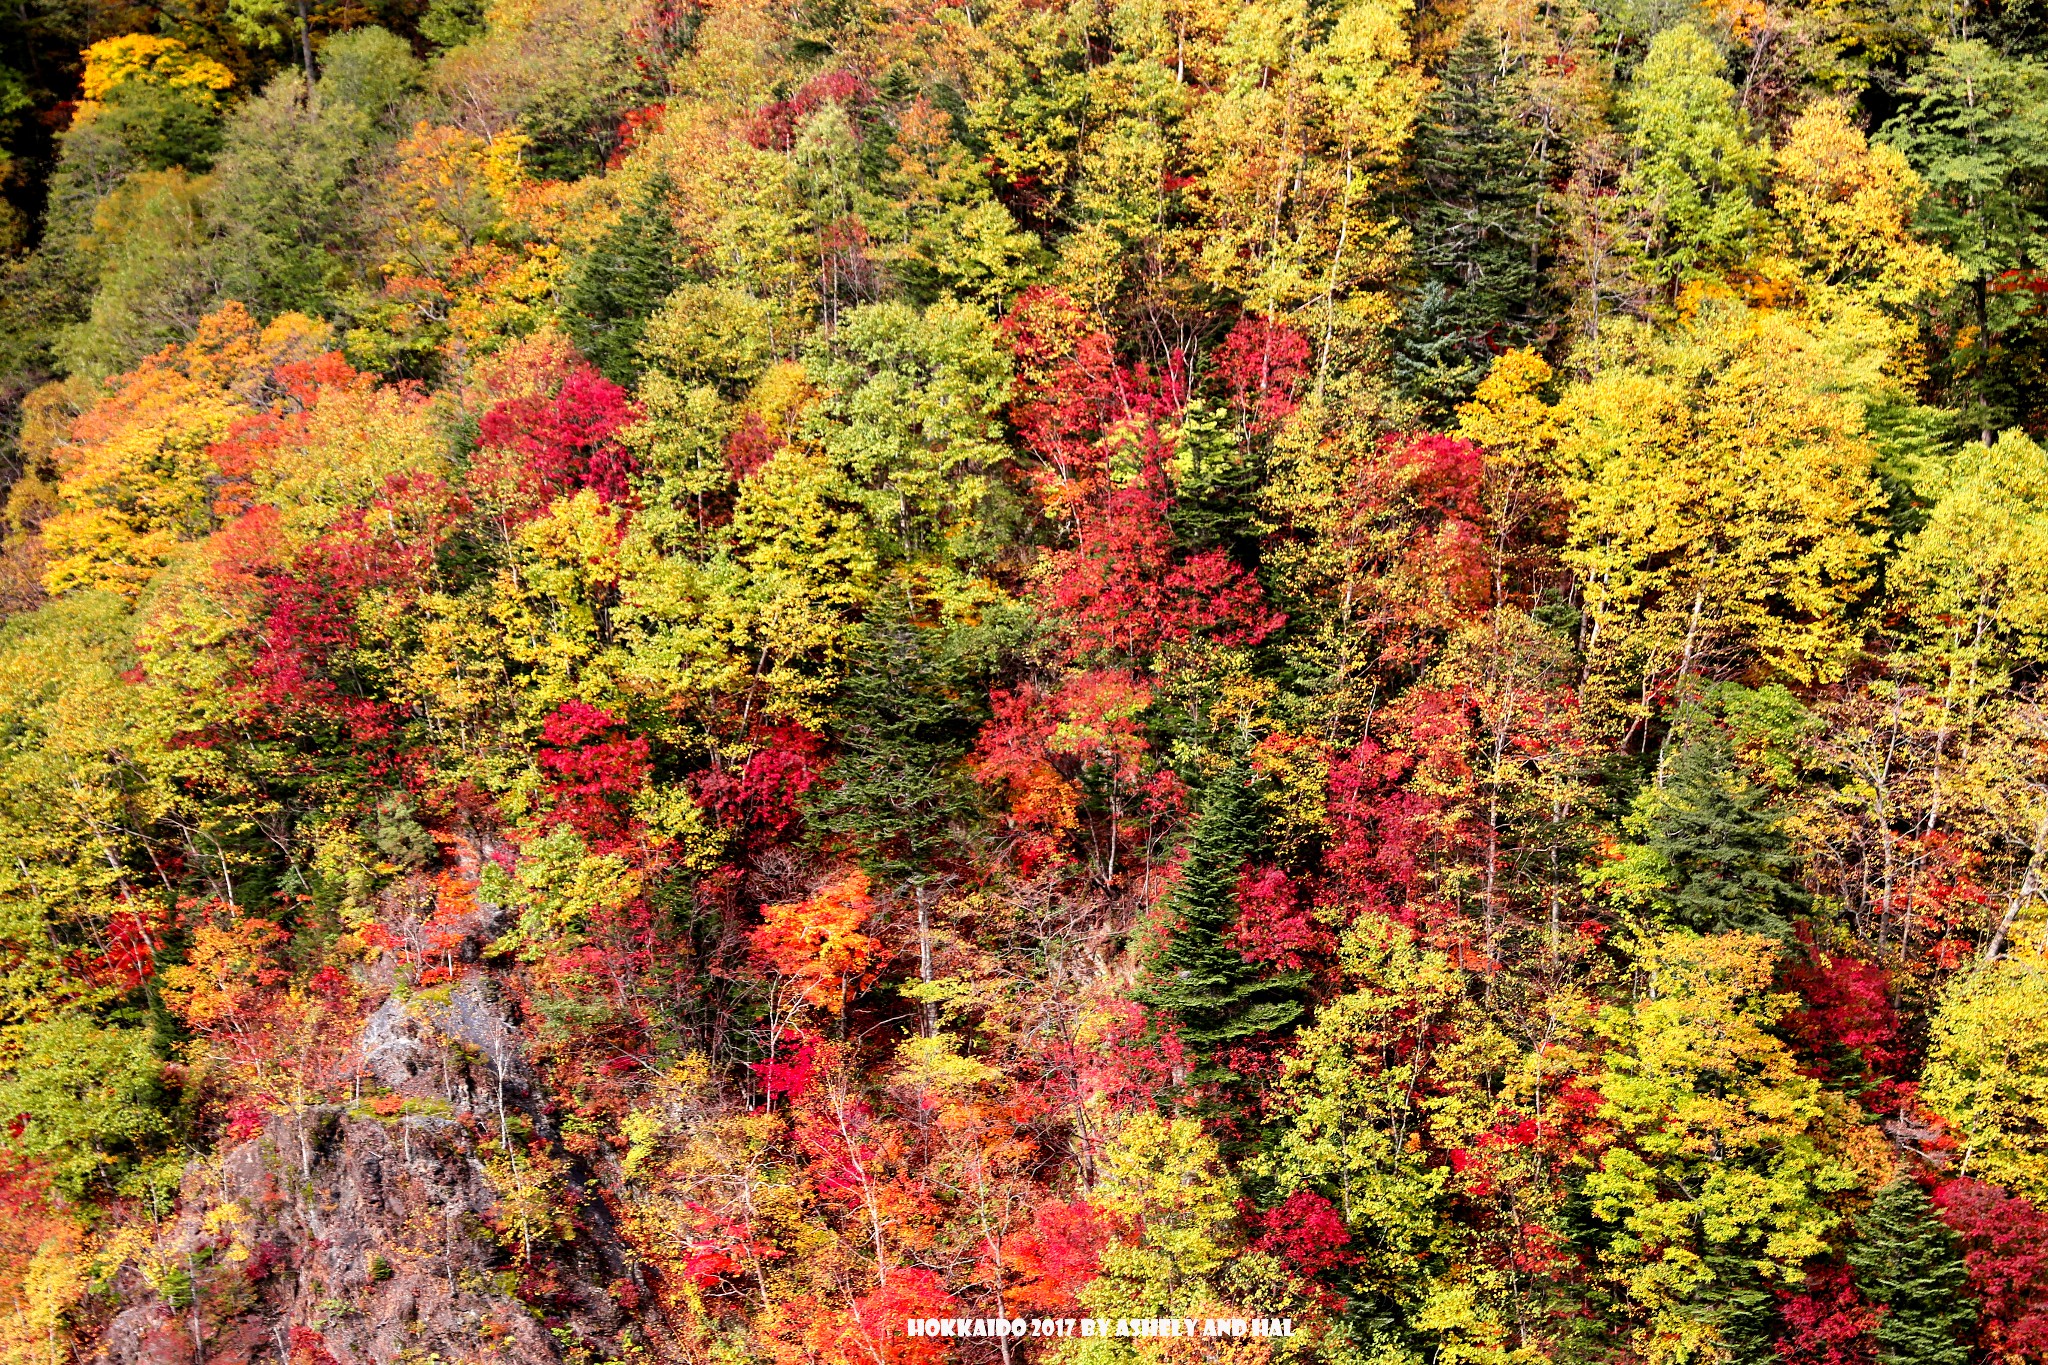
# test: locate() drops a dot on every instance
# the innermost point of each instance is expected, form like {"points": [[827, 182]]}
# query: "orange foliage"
{"points": [[818, 943]]}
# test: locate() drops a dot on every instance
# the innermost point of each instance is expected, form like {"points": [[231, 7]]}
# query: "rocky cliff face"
{"points": [[382, 1230]]}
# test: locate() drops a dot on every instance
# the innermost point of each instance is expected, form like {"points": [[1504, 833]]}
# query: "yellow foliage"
{"points": [[1846, 208], [34, 1326], [1720, 484], [135, 473], [1716, 1155], [1987, 1071], [1507, 413], [149, 60]]}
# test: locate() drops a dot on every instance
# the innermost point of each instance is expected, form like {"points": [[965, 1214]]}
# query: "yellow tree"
{"points": [[1717, 1169], [1721, 498], [134, 472], [1845, 218]]}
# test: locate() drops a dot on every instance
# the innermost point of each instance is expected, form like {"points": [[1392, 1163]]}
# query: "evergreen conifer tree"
{"points": [[621, 283], [1742, 1308], [1733, 868], [905, 719], [1214, 994], [1907, 1262], [1480, 239]]}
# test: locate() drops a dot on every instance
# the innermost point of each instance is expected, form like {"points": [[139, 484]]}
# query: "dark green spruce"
{"points": [[1907, 1263], [624, 279], [1214, 995], [1725, 841], [1475, 207]]}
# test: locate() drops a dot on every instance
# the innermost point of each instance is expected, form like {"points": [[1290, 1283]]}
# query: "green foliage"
{"points": [[153, 273], [1907, 1263], [905, 719], [712, 334], [1350, 1105], [1717, 1173], [1972, 578], [162, 126], [909, 412], [1481, 239], [1198, 978], [373, 69], [558, 886], [89, 1095], [1695, 171], [451, 23], [1165, 1177], [285, 204], [620, 284], [1974, 123], [1731, 867]]}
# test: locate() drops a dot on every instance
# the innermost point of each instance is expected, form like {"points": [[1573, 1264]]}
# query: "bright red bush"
{"points": [[593, 770], [2005, 1248], [569, 441]]}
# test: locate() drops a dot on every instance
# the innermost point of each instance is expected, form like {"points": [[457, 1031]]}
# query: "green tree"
{"points": [[1907, 1262], [1198, 977], [1479, 229], [905, 719], [287, 199], [373, 69], [909, 414], [1352, 1111], [623, 280], [1695, 172], [1974, 123], [1731, 866]]}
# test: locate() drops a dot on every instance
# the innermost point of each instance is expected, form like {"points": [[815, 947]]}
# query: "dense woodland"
{"points": [[682, 680]]}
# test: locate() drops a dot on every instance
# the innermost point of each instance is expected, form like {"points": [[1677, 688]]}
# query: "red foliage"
{"points": [[1444, 475], [1263, 365], [763, 797], [593, 771], [1947, 901], [1446, 546], [1013, 752], [774, 127], [1044, 750], [1057, 1255], [2005, 1248], [133, 933], [634, 127], [808, 1331], [1845, 1007], [749, 446], [1306, 1232], [1382, 830], [1274, 924], [386, 548], [1129, 1066], [1827, 1322], [791, 1073], [310, 1348], [1072, 392], [569, 441], [245, 1121], [1122, 590], [30, 1217]]}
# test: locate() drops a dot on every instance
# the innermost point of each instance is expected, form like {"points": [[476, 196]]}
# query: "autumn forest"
{"points": [[727, 681]]}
